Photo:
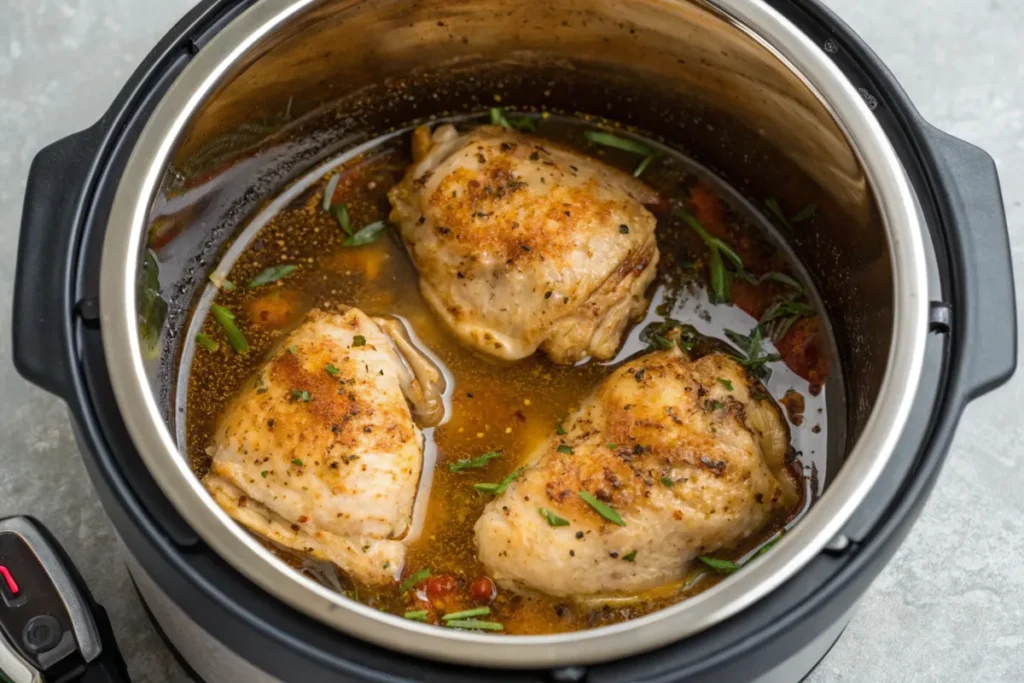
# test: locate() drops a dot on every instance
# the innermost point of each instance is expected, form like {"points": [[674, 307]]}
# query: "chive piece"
{"points": [[297, 461], [553, 519], [776, 210], [643, 166], [720, 566], [207, 343], [332, 185], [417, 615], [499, 488], [359, 340], [301, 396], [498, 118], [476, 625], [604, 510], [782, 278], [331, 370], [421, 575], [806, 213], [272, 274], [467, 613], [226, 319], [559, 429], [264, 473], [472, 463], [630, 557], [228, 286], [340, 213], [564, 449], [614, 141], [667, 481], [768, 546], [725, 383], [366, 235]]}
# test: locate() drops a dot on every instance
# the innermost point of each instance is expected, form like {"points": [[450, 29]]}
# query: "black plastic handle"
{"points": [[54, 203], [986, 316]]}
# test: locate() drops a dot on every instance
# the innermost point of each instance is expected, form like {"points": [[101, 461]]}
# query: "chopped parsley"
{"points": [[359, 340], [725, 383], [298, 462], [630, 557], [301, 396], [562, 448], [667, 481], [331, 370]]}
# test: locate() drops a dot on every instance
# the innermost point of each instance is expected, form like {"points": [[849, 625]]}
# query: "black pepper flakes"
{"points": [[624, 229]]}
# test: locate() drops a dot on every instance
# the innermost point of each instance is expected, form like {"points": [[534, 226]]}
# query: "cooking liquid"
{"points": [[495, 405]]}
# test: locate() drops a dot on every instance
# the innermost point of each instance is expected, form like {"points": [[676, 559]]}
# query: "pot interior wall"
{"points": [[348, 70]]}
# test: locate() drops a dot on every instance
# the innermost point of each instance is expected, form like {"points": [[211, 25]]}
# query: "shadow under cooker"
{"points": [[731, 105]]}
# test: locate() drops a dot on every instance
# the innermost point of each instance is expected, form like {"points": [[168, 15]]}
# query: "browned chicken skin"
{"points": [[524, 244], [320, 452], [681, 450]]}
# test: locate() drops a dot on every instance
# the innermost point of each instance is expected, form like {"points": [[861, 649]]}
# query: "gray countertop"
{"points": [[950, 606]]}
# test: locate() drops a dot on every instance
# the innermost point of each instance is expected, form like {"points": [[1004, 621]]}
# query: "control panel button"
{"points": [[42, 633]]}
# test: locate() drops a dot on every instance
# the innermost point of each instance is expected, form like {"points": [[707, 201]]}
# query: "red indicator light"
{"points": [[12, 585]]}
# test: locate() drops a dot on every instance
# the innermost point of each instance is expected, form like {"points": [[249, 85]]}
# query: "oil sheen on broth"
{"points": [[510, 407]]}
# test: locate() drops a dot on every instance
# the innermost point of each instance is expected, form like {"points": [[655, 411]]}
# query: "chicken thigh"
{"points": [[686, 455], [523, 244], [320, 453]]}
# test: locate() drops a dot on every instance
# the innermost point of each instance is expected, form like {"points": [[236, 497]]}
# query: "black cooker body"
{"points": [[58, 346]]}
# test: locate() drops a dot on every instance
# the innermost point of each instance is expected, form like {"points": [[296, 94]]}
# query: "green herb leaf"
{"points": [[340, 213], [220, 282], [806, 213], [725, 383], [768, 546], [472, 463], [608, 140], [643, 166], [499, 488], [667, 481], [226, 319], [720, 276], [417, 615], [776, 210], [630, 557], [604, 510], [207, 343], [559, 429], [331, 370], [473, 624], [297, 461], [359, 340], [367, 235], [553, 519], [301, 396], [467, 613], [294, 350], [720, 566], [332, 185], [264, 473], [272, 274], [499, 118], [612, 446], [562, 448], [412, 581], [782, 278]]}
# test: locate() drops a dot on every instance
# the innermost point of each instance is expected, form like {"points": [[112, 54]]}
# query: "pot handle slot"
{"points": [[985, 319], [43, 306]]}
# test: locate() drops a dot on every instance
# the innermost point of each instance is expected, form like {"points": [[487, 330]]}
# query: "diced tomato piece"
{"points": [[803, 350], [440, 587], [483, 590]]}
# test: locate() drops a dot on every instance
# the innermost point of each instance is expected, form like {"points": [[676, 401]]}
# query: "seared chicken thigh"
{"points": [[320, 453], [682, 451], [523, 244]]}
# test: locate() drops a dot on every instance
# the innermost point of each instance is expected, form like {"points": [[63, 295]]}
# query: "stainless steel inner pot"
{"points": [[289, 83]]}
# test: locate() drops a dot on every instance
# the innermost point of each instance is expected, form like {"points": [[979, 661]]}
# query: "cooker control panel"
{"points": [[48, 629]]}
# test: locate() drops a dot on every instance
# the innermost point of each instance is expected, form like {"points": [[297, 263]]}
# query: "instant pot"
{"points": [[124, 221]]}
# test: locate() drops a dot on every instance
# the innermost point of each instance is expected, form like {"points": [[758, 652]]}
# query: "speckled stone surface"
{"points": [[950, 607]]}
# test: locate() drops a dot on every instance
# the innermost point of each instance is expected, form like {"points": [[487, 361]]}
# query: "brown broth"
{"points": [[495, 405]]}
